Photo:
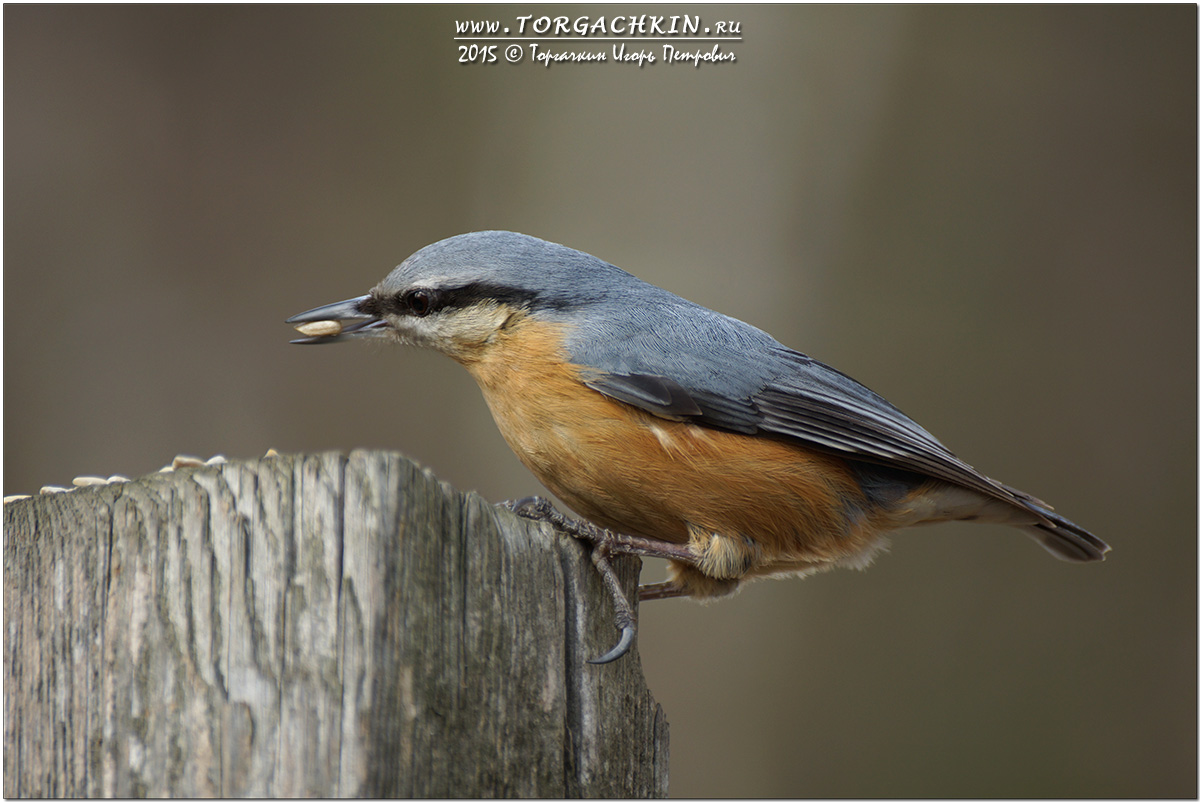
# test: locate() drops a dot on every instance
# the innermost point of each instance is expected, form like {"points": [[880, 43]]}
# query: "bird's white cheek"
{"points": [[460, 334], [414, 331]]}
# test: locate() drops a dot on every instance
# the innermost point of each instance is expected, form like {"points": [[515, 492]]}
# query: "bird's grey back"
{"points": [[617, 323]]}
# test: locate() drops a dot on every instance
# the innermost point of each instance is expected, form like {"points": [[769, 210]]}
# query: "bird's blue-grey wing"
{"points": [[682, 361]]}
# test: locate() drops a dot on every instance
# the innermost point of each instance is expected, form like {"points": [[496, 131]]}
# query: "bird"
{"points": [[676, 431]]}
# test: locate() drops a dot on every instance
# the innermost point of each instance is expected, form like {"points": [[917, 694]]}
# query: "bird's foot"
{"points": [[623, 617], [539, 509], [605, 543]]}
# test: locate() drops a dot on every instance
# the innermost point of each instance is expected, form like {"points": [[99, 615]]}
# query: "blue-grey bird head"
{"points": [[454, 295]]}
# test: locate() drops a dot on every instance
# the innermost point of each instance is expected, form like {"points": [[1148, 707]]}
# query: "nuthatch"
{"points": [[677, 431]]}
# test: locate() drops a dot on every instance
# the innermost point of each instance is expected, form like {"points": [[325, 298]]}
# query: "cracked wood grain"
{"points": [[313, 625]]}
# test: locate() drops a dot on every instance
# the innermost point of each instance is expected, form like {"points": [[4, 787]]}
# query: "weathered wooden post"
{"points": [[311, 626]]}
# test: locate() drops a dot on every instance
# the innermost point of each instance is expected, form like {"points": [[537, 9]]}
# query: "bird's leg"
{"points": [[661, 590], [606, 543]]}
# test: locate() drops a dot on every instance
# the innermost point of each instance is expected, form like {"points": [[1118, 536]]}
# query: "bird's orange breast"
{"points": [[773, 502]]}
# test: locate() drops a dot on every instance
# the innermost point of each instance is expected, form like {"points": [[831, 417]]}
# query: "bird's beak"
{"points": [[341, 321]]}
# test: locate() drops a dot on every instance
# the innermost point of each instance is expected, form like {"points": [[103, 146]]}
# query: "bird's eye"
{"points": [[419, 302]]}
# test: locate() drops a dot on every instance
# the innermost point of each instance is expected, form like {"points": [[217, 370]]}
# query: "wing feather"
{"points": [[681, 361]]}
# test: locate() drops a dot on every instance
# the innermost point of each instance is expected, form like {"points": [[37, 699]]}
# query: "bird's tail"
{"points": [[1065, 539]]}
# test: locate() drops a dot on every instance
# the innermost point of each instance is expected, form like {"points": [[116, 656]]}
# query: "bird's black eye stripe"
{"points": [[481, 291], [423, 301]]}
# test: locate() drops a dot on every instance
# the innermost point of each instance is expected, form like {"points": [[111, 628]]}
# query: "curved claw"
{"points": [[615, 653], [601, 540]]}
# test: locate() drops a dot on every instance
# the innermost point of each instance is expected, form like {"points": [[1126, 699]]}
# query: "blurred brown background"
{"points": [[987, 214]]}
